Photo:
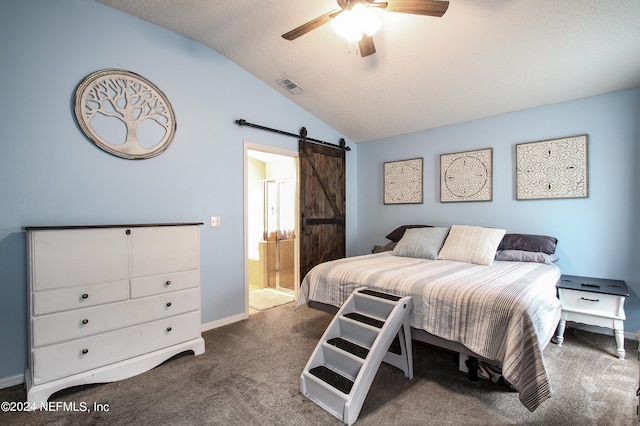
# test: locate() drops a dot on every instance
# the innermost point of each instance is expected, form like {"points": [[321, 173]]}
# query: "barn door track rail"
{"points": [[302, 135]]}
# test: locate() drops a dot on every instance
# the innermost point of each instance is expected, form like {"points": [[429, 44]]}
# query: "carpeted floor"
{"points": [[249, 376]]}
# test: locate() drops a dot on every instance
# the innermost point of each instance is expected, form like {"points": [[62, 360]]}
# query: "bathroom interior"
{"points": [[271, 229]]}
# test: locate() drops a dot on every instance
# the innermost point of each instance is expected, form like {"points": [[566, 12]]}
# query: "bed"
{"points": [[501, 311]]}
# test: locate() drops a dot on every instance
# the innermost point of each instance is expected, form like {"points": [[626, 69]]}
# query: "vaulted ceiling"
{"points": [[482, 58]]}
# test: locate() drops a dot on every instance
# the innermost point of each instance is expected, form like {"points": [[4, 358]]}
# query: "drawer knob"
{"points": [[128, 232], [168, 304], [85, 351], [590, 300], [168, 328], [85, 296], [167, 283], [85, 321]]}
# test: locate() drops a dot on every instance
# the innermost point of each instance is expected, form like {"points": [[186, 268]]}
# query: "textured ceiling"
{"points": [[482, 58]]}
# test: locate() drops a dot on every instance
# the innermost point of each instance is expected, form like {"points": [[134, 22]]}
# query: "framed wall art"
{"points": [[403, 181], [466, 176], [555, 168]]}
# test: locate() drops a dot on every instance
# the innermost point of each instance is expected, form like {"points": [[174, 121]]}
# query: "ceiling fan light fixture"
{"points": [[367, 20], [344, 24], [352, 23]]}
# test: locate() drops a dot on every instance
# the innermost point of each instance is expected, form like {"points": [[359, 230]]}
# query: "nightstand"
{"points": [[593, 301]]}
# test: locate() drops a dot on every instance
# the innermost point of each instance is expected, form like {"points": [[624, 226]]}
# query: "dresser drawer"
{"points": [[158, 284], [599, 304], [45, 302], [164, 250], [72, 257], [54, 362], [61, 327]]}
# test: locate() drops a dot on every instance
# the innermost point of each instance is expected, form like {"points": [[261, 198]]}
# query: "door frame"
{"points": [[250, 146]]}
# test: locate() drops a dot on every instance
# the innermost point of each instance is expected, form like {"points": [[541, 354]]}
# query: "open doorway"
{"points": [[271, 211]]}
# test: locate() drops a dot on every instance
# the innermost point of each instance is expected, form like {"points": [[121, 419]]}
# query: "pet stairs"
{"points": [[369, 328]]}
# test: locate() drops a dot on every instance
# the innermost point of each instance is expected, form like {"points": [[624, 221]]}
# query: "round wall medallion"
{"points": [[466, 177], [124, 114]]}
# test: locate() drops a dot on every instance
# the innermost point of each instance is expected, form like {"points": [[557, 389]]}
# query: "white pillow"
{"points": [[472, 244], [424, 243]]}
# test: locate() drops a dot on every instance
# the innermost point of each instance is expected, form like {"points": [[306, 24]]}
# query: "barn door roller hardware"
{"points": [[302, 135]]}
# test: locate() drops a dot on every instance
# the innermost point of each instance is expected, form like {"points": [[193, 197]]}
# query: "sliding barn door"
{"points": [[322, 205]]}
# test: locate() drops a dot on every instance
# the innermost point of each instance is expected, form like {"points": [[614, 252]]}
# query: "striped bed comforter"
{"points": [[506, 312]]}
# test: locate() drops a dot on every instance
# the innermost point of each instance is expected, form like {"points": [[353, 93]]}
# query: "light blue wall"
{"points": [[598, 236], [50, 174]]}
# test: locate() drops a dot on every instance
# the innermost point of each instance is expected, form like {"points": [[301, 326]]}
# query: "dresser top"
{"points": [[130, 225], [593, 285]]}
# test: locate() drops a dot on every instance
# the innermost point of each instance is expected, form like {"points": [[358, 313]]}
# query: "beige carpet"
{"points": [[268, 298]]}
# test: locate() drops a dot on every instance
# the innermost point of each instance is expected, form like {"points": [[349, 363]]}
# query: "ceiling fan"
{"points": [[363, 36]]}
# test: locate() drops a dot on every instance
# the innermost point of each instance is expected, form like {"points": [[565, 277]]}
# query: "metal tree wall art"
{"points": [[124, 114]]}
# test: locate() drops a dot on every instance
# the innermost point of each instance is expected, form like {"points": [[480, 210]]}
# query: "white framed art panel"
{"points": [[466, 176], [403, 181], [554, 168]]}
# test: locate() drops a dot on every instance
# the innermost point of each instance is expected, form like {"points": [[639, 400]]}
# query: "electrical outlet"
{"points": [[215, 220]]}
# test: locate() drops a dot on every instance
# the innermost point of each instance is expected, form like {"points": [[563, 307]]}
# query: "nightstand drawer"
{"points": [[605, 305]]}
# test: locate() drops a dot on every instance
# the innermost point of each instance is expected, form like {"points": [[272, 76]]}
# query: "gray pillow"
{"points": [[423, 243], [397, 233], [529, 242], [526, 256]]}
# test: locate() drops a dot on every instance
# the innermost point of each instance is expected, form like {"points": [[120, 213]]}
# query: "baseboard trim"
{"points": [[7, 382], [222, 322]]}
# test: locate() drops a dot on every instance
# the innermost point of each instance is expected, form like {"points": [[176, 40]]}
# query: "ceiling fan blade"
{"points": [[418, 7], [379, 5], [311, 25], [366, 46]]}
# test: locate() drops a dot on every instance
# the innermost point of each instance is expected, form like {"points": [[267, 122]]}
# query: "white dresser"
{"points": [[109, 302]]}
